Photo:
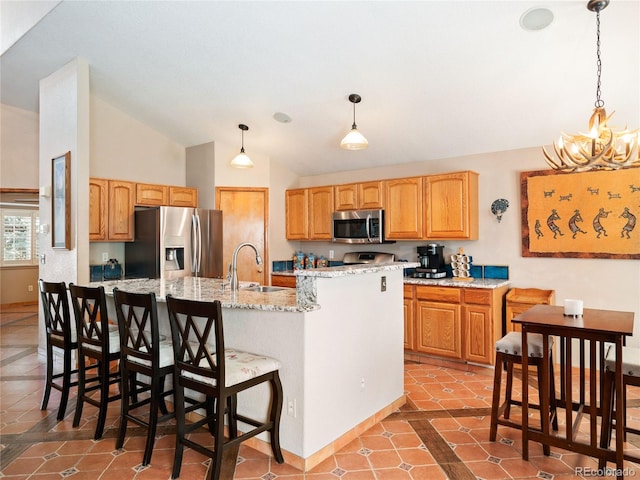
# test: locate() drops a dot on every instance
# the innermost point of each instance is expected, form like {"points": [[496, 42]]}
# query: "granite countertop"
{"points": [[451, 282], [343, 270], [210, 289]]}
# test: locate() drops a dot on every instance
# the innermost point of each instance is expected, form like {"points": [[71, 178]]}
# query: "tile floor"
{"points": [[442, 432]]}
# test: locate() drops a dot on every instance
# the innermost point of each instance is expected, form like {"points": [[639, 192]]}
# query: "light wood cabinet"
{"points": [[111, 204], [403, 208], [522, 299], [183, 197], [359, 196], [409, 318], [456, 323], [438, 321], [283, 280], [320, 213], [148, 194], [451, 206], [308, 213], [297, 214]]}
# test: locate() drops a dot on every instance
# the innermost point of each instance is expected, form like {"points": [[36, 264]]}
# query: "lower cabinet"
{"points": [[454, 323], [283, 280]]}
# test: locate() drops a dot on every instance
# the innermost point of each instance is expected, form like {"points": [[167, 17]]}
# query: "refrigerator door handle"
{"points": [[194, 243], [199, 253]]}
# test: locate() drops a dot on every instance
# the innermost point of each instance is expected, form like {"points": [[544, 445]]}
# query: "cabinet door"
{"points": [[479, 344], [122, 197], [283, 281], [297, 214], [149, 194], [370, 195], [403, 209], [346, 196], [183, 197], [439, 329], [513, 311], [98, 202], [320, 213], [451, 206]]}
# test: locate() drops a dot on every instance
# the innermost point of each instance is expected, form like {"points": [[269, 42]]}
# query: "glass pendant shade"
{"points": [[242, 160], [354, 140]]}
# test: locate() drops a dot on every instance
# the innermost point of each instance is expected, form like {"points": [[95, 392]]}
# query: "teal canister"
{"points": [[310, 261], [298, 261]]}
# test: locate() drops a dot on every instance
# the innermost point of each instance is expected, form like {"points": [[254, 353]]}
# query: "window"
{"points": [[18, 236]]}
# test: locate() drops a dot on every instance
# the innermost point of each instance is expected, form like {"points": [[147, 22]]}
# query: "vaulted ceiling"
{"points": [[438, 79]]}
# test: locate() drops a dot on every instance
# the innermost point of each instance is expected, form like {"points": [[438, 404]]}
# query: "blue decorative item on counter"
{"points": [[112, 270], [298, 261], [310, 261]]}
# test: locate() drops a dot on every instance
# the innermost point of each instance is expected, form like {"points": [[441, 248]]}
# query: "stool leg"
{"points": [[495, 403], [552, 395], [47, 385], [274, 417], [81, 385], [545, 448], [66, 384], [508, 401], [607, 413]]}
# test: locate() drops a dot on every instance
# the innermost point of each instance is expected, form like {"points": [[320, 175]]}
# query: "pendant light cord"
{"points": [[599, 103], [354, 126]]}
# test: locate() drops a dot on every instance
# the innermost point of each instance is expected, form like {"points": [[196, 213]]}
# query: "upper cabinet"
{"points": [[403, 209], [308, 213], [359, 196], [430, 207], [451, 205], [149, 194], [111, 204]]}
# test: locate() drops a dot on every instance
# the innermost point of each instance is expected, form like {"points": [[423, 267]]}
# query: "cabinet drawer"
{"points": [[439, 294], [283, 281], [408, 291], [477, 296]]}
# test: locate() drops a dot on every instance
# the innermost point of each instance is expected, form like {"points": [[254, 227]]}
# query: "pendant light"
{"points": [[602, 148], [354, 140], [242, 160]]}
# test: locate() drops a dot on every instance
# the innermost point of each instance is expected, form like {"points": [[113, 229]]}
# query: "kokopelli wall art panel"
{"points": [[587, 214]]}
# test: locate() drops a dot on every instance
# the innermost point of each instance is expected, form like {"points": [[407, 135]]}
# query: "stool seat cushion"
{"points": [[511, 344], [166, 355], [240, 367], [114, 343], [630, 360]]}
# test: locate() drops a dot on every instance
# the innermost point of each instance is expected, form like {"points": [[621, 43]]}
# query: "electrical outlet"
{"points": [[383, 284], [291, 407], [362, 384], [105, 256], [30, 288], [331, 254]]}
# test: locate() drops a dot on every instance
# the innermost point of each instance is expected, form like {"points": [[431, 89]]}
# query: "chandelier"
{"points": [[602, 148]]}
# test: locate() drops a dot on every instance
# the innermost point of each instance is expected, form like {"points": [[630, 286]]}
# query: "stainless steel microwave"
{"points": [[358, 226]]}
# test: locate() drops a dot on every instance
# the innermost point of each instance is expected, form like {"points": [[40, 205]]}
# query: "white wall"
{"points": [[19, 140], [601, 283]]}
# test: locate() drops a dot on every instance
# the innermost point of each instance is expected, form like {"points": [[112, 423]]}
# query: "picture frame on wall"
{"points": [[61, 202]]}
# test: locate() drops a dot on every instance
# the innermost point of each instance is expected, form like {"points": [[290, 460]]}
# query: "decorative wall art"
{"points": [[61, 202], [584, 215]]}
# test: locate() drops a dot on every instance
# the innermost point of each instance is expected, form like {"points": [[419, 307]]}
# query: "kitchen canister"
{"points": [[461, 266], [310, 261], [298, 260]]}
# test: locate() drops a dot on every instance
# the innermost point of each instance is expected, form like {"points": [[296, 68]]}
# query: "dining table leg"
{"points": [[525, 395], [619, 411]]}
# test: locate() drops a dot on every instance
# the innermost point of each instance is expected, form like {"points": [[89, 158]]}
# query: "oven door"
{"points": [[357, 226]]}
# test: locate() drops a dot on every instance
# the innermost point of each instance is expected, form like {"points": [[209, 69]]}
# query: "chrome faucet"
{"points": [[234, 264]]}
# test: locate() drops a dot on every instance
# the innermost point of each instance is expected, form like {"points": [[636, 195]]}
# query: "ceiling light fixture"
{"points": [[354, 140], [242, 160], [601, 148]]}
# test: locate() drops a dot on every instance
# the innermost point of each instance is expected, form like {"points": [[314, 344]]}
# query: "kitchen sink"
{"points": [[263, 289]]}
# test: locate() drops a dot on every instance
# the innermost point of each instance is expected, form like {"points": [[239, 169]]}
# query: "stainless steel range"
{"points": [[354, 258]]}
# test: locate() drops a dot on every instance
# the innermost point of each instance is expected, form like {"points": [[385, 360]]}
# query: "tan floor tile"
{"points": [[384, 459], [352, 461]]}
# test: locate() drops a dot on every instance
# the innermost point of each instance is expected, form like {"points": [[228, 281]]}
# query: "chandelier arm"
{"points": [[550, 161]]}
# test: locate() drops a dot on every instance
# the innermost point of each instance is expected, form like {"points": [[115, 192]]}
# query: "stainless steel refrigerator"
{"points": [[173, 242]]}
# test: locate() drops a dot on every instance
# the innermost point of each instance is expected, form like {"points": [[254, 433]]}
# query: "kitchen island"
{"points": [[338, 336]]}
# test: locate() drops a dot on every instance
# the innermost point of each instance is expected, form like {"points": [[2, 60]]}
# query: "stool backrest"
{"points": [[90, 311], [138, 327], [55, 303], [198, 340]]}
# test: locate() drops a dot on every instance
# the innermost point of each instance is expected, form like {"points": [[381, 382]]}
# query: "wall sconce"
{"points": [[45, 191], [498, 207]]}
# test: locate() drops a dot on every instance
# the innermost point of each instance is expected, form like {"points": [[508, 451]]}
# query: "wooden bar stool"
{"points": [[630, 376], [60, 333], [100, 342], [509, 353], [145, 362], [202, 364]]}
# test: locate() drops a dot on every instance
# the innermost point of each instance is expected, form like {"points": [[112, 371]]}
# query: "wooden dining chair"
{"points": [[98, 343], [203, 364], [146, 360], [630, 376], [60, 333], [509, 353]]}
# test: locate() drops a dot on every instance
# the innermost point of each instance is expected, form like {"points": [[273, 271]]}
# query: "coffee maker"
{"points": [[431, 258]]}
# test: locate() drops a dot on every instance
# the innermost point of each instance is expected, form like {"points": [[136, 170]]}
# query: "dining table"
{"points": [[591, 331]]}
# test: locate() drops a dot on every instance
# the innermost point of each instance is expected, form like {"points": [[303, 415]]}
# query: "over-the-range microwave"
{"points": [[359, 226]]}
